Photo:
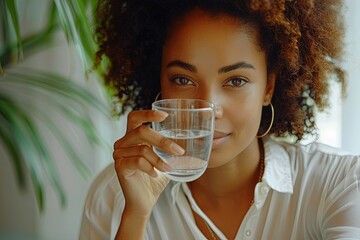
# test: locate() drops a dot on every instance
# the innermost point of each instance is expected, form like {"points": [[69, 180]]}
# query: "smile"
{"points": [[219, 138]]}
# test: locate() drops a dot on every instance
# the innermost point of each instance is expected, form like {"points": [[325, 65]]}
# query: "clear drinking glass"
{"points": [[190, 123]]}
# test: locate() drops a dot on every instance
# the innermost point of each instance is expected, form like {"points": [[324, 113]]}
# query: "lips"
{"points": [[219, 137], [219, 134]]}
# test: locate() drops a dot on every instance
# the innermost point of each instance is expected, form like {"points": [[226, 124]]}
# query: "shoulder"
{"points": [[315, 152], [314, 160], [321, 162]]}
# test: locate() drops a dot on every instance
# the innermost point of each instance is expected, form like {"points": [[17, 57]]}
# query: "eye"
{"points": [[181, 80], [236, 82]]}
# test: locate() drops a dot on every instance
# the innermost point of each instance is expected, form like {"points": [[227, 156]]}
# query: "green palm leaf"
{"points": [[15, 20], [72, 15], [19, 112]]}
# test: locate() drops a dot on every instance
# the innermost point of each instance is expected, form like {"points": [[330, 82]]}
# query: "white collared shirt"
{"points": [[307, 192]]}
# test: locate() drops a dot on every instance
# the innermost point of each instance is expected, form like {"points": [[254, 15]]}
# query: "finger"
{"points": [[137, 118], [127, 167], [143, 151], [145, 135]]}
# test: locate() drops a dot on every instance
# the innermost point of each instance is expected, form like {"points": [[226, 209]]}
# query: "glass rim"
{"points": [[211, 105]]}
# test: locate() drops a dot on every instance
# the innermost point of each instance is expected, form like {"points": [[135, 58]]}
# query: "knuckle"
{"points": [[140, 161], [164, 141], [115, 146], [118, 143], [143, 129], [131, 115], [117, 157], [131, 118], [144, 150]]}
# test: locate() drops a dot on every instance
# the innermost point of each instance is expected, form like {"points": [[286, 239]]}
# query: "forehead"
{"points": [[199, 34], [195, 17]]}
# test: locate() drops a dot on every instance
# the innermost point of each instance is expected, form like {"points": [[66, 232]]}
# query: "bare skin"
{"points": [[220, 200], [216, 60], [134, 163]]}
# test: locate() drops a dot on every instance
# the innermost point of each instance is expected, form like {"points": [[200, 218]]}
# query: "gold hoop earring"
{"points": [[157, 96], [271, 122]]}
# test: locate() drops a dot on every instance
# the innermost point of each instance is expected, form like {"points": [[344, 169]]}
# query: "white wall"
{"points": [[351, 106]]}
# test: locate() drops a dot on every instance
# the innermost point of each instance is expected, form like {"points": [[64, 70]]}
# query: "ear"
{"points": [[270, 87]]}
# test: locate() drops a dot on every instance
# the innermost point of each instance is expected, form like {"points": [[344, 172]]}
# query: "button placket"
{"points": [[261, 192], [250, 225]]}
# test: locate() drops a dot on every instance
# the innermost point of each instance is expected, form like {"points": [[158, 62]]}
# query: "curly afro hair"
{"points": [[303, 41]]}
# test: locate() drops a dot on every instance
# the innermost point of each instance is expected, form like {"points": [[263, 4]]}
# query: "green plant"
{"points": [[19, 132]]}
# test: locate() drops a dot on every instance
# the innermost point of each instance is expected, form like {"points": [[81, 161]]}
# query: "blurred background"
{"points": [[51, 102]]}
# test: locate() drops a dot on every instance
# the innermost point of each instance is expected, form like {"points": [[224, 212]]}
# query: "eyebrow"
{"points": [[181, 64], [235, 66], [225, 69]]}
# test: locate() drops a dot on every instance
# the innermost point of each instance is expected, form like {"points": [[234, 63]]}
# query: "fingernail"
{"points": [[153, 173], [167, 167], [177, 149], [161, 113]]}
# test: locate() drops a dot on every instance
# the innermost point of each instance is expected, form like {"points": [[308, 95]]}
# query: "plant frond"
{"points": [[21, 90], [76, 25], [10, 4]]}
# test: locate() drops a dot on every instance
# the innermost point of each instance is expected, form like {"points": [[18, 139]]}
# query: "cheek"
{"points": [[245, 118]]}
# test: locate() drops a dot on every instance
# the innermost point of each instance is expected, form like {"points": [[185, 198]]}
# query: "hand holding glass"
{"points": [[190, 123]]}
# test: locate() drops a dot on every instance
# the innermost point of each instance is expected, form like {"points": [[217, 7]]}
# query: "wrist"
{"points": [[136, 213], [132, 213], [133, 225]]}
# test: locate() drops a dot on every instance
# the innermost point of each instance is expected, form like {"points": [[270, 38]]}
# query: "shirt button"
{"points": [[264, 189], [248, 232]]}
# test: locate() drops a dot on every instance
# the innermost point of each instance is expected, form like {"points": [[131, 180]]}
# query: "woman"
{"points": [[266, 65]]}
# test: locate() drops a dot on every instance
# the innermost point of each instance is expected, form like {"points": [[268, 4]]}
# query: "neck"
{"points": [[237, 178], [227, 189]]}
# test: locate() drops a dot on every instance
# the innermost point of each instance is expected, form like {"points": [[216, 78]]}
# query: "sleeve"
{"points": [[98, 213], [341, 219]]}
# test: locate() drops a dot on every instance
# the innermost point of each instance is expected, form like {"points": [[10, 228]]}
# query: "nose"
{"points": [[209, 94]]}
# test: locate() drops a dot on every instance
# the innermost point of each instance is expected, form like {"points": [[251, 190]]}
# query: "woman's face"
{"points": [[219, 60]]}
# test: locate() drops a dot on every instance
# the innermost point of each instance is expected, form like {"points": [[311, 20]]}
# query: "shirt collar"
{"points": [[277, 172]]}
